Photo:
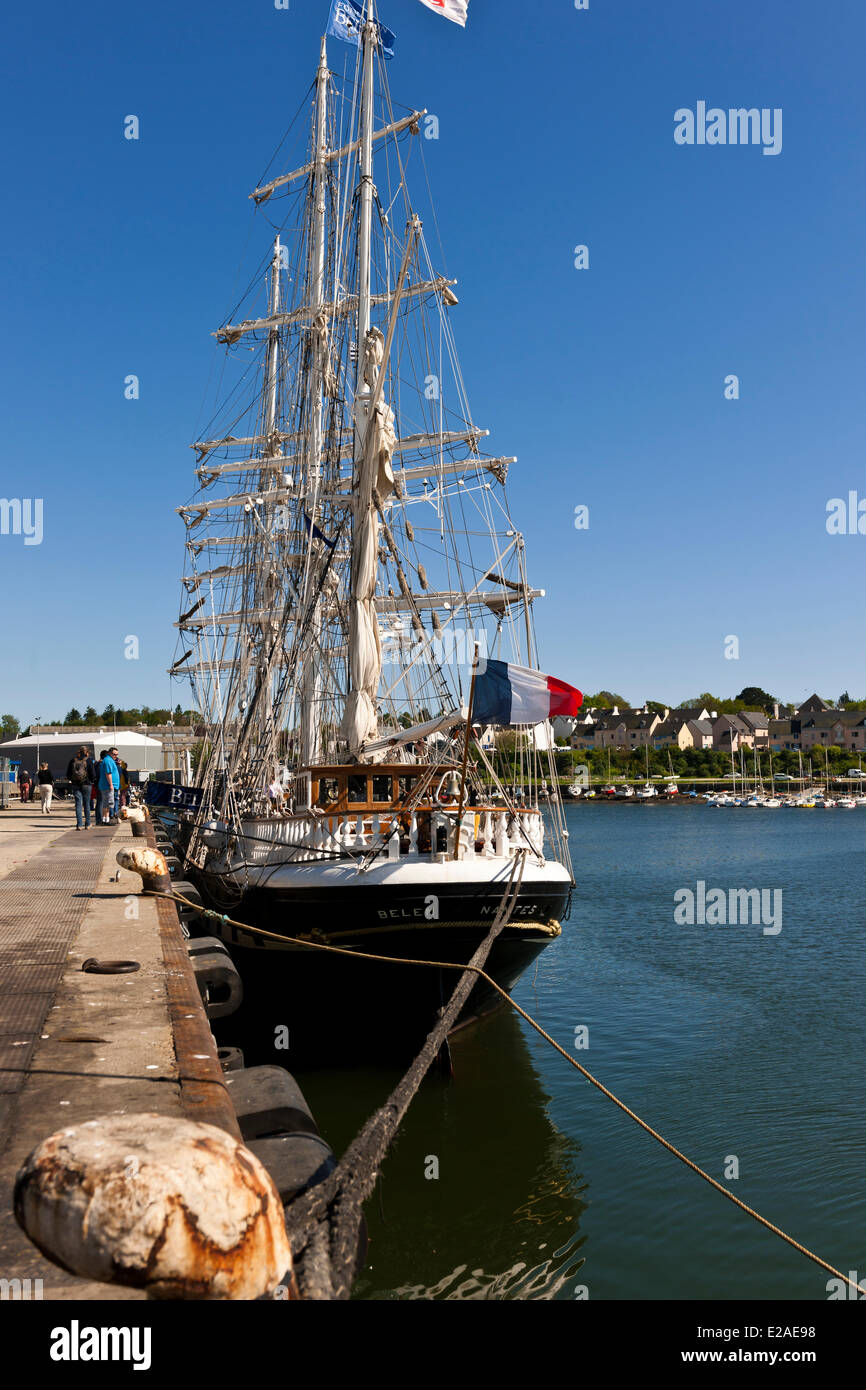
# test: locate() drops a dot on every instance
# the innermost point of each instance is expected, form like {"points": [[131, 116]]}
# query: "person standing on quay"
{"points": [[109, 783], [24, 784], [122, 790], [45, 778], [82, 774]]}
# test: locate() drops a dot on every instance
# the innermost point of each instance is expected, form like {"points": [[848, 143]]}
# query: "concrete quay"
{"points": [[76, 1045]]}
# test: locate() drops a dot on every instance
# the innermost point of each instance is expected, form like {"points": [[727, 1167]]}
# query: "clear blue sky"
{"points": [[707, 516]]}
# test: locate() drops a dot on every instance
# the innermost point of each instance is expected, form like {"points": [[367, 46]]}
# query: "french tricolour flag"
{"points": [[452, 9], [507, 694]]}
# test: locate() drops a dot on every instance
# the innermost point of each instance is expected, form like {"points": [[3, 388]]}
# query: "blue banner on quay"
{"points": [[165, 794]]}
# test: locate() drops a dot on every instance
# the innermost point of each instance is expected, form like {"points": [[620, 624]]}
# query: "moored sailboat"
{"points": [[357, 618]]}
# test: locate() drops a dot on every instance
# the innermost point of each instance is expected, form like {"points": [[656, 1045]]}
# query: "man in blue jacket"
{"points": [[109, 783]]}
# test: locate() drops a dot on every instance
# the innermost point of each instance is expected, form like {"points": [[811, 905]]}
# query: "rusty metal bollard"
{"points": [[137, 818], [150, 864], [179, 1208]]}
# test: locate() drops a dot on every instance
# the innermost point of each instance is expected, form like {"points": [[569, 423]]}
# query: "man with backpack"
{"points": [[82, 774]]}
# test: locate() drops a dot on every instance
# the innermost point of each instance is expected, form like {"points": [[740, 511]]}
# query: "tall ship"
{"points": [[353, 578]]}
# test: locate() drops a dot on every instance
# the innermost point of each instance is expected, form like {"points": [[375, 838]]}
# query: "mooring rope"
{"points": [[482, 974]]}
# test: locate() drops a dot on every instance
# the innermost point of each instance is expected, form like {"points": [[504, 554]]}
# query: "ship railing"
{"points": [[491, 834]]}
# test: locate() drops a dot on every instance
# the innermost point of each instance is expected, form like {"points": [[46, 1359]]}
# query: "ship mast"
{"points": [[268, 480], [365, 656], [366, 193], [273, 356], [311, 679]]}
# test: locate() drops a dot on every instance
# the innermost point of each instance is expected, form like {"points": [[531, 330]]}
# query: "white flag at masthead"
{"points": [[451, 9]]}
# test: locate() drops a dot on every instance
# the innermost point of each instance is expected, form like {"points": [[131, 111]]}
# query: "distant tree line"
{"points": [[751, 697], [126, 717]]}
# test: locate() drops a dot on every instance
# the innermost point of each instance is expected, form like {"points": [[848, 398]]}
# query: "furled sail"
{"points": [[374, 483]]}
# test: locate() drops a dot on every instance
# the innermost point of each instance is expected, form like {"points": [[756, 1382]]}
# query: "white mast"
{"points": [[311, 681], [318, 257], [269, 480], [273, 350], [366, 217]]}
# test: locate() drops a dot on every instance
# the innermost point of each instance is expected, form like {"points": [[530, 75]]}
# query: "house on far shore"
{"points": [[583, 731], [759, 723], [748, 729], [814, 725], [701, 732], [831, 728], [633, 728], [602, 727], [814, 705], [573, 727], [684, 728], [731, 732], [839, 728], [784, 735]]}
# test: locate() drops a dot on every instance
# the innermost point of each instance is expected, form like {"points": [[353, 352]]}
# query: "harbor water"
{"points": [[742, 1044]]}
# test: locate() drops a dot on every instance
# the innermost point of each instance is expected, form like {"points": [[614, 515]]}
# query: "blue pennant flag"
{"points": [[317, 534], [347, 23]]}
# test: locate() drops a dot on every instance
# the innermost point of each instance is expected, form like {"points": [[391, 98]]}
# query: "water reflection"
{"points": [[551, 1278], [502, 1219]]}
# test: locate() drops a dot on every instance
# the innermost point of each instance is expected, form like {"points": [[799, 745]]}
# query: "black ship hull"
{"points": [[303, 1005]]}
